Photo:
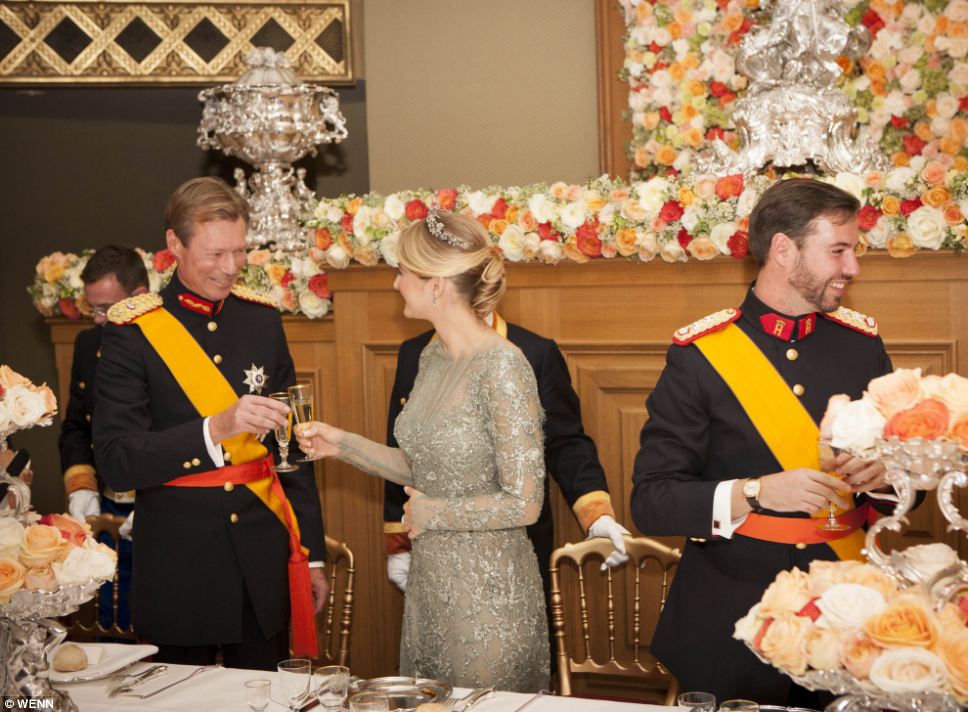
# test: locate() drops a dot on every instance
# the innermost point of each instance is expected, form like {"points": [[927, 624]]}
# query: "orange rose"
{"points": [[858, 653], [702, 248], [923, 131], [958, 129], [11, 578], [890, 206], [729, 187], [527, 221], [323, 238], [570, 248], [959, 432], [691, 61], [677, 72], [731, 23], [900, 159], [895, 391], [641, 157], [933, 172], [878, 87], [952, 214], [666, 155], [257, 258], [498, 226], [366, 256], [903, 624], [275, 272], [950, 146], [961, 163], [625, 242], [686, 196], [958, 30], [928, 420], [875, 70], [650, 120], [354, 206], [41, 545], [690, 112], [901, 245], [288, 301], [675, 30], [953, 651], [936, 196]]}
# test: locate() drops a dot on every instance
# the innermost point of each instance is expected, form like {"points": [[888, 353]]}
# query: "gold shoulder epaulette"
{"points": [[129, 309], [248, 294], [708, 324], [854, 320]]}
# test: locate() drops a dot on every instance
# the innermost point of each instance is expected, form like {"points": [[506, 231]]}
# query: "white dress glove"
{"points": [[398, 569], [83, 503], [126, 529], [606, 527]]}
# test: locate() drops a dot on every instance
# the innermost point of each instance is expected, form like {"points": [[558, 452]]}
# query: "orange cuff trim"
{"points": [[393, 528], [591, 506], [395, 543], [78, 477]]}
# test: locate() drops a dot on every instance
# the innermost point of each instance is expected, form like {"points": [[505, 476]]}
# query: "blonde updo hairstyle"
{"points": [[476, 271]]}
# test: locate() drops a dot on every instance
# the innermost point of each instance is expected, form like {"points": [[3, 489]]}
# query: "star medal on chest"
{"points": [[255, 379]]}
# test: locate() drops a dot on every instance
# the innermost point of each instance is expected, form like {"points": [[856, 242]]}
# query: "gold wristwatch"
{"points": [[751, 490]]}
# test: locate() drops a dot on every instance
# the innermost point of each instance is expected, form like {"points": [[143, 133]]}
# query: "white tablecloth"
{"points": [[221, 691]]}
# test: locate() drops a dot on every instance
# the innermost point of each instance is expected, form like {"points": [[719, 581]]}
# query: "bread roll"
{"points": [[70, 658]]}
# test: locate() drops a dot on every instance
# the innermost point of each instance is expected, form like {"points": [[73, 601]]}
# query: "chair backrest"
{"points": [[334, 630], [651, 565], [84, 624]]}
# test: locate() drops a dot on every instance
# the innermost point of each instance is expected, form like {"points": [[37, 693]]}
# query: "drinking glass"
{"points": [[827, 456], [739, 706], [369, 702], [332, 684], [301, 402], [257, 694], [284, 435], [294, 681], [703, 701]]}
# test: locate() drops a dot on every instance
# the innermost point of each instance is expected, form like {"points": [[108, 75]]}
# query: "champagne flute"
{"points": [[284, 435], [828, 454], [294, 681], [301, 401]]}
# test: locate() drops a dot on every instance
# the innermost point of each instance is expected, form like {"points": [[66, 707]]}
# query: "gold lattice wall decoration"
{"points": [[174, 41]]}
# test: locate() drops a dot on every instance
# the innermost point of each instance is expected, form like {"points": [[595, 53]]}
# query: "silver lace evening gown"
{"points": [[472, 440]]}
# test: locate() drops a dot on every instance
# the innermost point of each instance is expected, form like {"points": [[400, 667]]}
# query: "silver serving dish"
{"points": [[778, 708], [405, 693]]}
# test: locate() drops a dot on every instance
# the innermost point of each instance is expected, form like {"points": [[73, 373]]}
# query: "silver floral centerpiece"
{"points": [[270, 119], [48, 565], [891, 633]]}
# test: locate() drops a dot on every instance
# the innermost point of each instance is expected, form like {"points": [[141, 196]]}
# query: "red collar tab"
{"points": [[787, 329], [197, 304]]}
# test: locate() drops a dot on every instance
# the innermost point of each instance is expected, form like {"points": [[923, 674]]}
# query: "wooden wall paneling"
{"points": [[614, 131]]}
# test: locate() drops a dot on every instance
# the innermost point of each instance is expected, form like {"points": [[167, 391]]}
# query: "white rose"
{"points": [[749, 625], [4, 419], [11, 534], [480, 202], [337, 258], [379, 219], [957, 10], [929, 559], [940, 125], [747, 200], [394, 207], [917, 162], [724, 67], [877, 236], [926, 226], [388, 247], [846, 606], [606, 216], [672, 251], [574, 214], [850, 183], [957, 48], [690, 218], [361, 223], [720, 235], [83, 564], [334, 214], [896, 103], [681, 46], [319, 212], [652, 194], [946, 105], [897, 180], [550, 252], [313, 305], [512, 243], [910, 54], [959, 74], [857, 426], [662, 36], [24, 406], [908, 670], [543, 209]]}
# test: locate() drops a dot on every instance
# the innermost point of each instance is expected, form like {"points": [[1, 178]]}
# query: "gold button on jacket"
{"points": [[234, 518], [798, 389]]}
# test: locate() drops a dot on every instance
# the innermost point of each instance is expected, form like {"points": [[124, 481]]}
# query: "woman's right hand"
{"points": [[319, 439]]}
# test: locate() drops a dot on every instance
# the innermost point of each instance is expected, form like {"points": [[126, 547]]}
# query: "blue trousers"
{"points": [[105, 599]]}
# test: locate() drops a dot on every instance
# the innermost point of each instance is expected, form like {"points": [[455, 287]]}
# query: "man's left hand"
{"points": [[861, 475], [606, 526], [320, 584]]}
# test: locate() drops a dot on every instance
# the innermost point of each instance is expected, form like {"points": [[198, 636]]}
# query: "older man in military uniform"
{"points": [[110, 275], [729, 454], [222, 541]]}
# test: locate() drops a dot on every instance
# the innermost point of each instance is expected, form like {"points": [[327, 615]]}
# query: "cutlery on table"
{"points": [[194, 672], [126, 682], [538, 696], [465, 703]]}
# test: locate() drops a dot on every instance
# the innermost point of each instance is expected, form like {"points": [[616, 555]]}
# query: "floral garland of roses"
{"points": [[910, 90]]}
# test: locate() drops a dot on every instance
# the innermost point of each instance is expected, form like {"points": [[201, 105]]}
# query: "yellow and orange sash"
{"points": [[787, 429], [211, 393]]}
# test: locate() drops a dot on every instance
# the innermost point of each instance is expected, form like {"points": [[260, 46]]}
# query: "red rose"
{"points": [[416, 210], [671, 172], [655, 48], [873, 22], [963, 106], [684, 237], [546, 232], [588, 242], [718, 89], [347, 223], [727, 98], [665, 114], [729, 186], [909, 206], [287, 278], [810, 610], [323, 238], [671, 211], [69, 308], [447, 198], [913, 145], [738, 244], [500, 208], [899, 122], [319, 285], [715, 133], [867, 217], [2, 391], [162, 260]]}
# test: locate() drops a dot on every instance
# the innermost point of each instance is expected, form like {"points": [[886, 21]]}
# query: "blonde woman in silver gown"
{"points": [[471, 456]]}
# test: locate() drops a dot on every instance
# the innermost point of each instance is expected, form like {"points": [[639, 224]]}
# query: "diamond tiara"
{"points": [[437, 229]]}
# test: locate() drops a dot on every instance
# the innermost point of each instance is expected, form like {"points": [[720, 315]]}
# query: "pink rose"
{"points": [[896, 391]]}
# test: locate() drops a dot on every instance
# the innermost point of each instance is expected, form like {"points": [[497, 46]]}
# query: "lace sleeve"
{"points": [[510, 406], [375, 459]]}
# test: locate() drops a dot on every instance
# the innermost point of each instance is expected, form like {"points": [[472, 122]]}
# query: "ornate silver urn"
{"points": [[793, 112], [270, 119]]}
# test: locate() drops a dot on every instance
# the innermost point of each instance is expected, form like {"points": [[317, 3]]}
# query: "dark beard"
{"points": [[813, 290]]}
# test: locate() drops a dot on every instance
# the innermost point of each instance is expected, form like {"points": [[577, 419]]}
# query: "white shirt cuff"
{"points": [[214, 451], [723, 526], [883, 496], [317, 564]]}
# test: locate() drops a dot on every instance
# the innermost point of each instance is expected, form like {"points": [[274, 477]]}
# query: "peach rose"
{"points": [[901, 245], [952, 214], [632, 210], [908, 670], [954, 394], [570, 248], [890, 206], [823, 575], [959, 432], [626, 241], [869, 576], [783, 643], [11, 578], [73, 531], [822, 648], [936, 196], [705, 188], [787, 594], [665, 155], [526, 221], [928, 420], [858, 653], [874, 179], [933, 172], [953, 652], [702, 248], [259, 257], [904, 623], [896, 391], [41, 545], [40, 578]]}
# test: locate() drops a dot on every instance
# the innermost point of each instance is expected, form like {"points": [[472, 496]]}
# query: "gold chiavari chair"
{"points": [[590, 625], [333, 629]]}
